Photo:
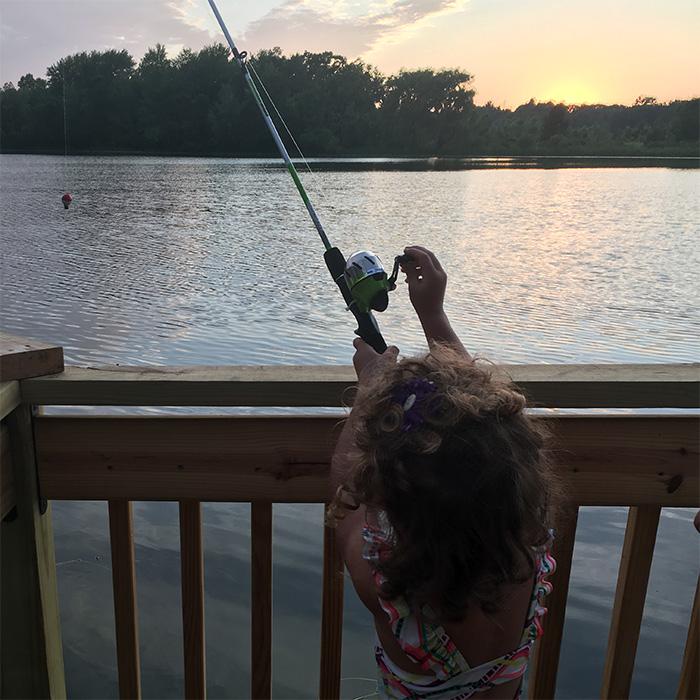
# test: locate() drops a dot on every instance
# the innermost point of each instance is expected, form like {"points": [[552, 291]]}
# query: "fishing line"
{"points": [[66, 198], [240, 59], [65, 121], [251, 63], [361, 279]]}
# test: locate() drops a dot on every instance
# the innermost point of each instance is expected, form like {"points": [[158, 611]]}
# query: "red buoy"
{"points": [[66, 199]]}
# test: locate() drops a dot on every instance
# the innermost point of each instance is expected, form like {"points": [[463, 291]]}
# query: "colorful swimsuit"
{"points": [[430, 646]]}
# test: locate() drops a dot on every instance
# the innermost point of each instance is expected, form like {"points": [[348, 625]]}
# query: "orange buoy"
{"points": [[66, 199]]}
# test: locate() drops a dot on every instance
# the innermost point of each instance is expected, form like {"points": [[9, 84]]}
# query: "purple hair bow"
{"points": [[413, 396]]}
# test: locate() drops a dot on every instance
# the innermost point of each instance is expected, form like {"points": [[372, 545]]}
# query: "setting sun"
{"points": [[571, 92]]}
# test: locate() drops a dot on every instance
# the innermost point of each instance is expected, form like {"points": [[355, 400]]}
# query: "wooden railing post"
{"points": [[261, 600], [121, 536], [192, 577], [635, 565], [689, 685], [331, 617], [31, 655], [545, 663]]}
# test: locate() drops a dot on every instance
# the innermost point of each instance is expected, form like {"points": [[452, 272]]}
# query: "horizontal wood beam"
{"points": [[21, 357], [604, 460], [195, 386], [205, 458], [556, 386]]}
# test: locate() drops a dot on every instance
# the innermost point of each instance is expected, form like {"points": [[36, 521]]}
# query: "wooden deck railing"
{"points": [[642, 461]]}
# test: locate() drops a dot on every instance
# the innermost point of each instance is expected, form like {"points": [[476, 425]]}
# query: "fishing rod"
{"points": [[362, 280]]}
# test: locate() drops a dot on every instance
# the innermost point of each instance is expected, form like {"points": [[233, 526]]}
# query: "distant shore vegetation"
{"points": [[198, 104]]}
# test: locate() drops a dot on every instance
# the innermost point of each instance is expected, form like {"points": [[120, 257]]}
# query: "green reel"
{"points": [[368, 281]]}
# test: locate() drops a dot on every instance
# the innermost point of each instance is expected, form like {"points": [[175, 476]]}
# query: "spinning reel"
{"points": [[365, 286], [368, 282]]}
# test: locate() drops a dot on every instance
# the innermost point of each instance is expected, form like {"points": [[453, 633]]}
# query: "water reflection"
{"points": [[197, 261]]}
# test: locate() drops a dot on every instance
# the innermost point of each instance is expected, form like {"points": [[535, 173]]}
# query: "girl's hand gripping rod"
{"points": [[363, 283]]}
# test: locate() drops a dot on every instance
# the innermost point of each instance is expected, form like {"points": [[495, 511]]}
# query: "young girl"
{"points": [[441, 498]]}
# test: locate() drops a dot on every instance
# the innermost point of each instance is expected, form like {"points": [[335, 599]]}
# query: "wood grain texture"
{"points": [[31, 653], [689, 684], [630, 594], [331, 617], [20, 358], [261, 600], [121, 532], [10, 397], [557, 386], [7, 489], [604, 460], [192, 576]]}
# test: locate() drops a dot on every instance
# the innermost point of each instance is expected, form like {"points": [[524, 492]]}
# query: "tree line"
{"points": [[198, 104]]}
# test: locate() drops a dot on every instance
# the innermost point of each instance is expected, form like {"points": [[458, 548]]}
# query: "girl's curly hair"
{"points": [[467, 494]]}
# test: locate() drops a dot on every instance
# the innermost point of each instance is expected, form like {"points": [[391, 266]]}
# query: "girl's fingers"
{"points": [[424, 258]]}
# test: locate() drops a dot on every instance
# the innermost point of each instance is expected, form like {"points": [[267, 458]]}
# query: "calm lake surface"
{"points": [[176, 261]]}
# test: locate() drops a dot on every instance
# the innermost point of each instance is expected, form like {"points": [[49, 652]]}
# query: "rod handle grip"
{"points": [[369, 332]]}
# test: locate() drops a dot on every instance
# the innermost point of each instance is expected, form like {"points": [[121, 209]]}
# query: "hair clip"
{"points": [[412, 397]]}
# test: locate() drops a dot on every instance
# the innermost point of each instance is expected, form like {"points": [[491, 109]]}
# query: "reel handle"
{"points": [[367, 327]]}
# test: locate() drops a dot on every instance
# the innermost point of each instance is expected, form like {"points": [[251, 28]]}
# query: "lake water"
{"points": [[175, 261]]}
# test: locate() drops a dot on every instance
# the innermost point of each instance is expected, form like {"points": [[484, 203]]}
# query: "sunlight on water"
{"points": [[177, 261], [210, 262]]}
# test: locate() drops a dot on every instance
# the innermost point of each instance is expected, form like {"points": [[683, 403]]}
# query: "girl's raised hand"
{"points": [[426, 281]]}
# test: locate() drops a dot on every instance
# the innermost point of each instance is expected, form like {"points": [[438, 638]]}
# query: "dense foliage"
{"points": [[198, 103]]}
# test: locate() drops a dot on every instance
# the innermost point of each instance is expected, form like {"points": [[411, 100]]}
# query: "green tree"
{"points": [[686, 123], [556, 121], [99, 106], [156, 120], [424, 111], [198, 103], [328, 103], [197, 83], [30, 118]]}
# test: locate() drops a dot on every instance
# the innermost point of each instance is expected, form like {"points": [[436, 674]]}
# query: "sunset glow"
{"points": [[593, 52], [572, 93]]}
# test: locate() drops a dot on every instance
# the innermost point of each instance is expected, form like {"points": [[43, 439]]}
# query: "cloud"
{"points": [[35, 34], [347, 27]]}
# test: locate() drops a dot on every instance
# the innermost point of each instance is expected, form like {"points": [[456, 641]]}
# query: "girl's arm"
{"points": [[348, 531], [427, 282], [366, 361]]}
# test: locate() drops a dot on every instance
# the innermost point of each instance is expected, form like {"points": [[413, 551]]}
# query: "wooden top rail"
{"points": [[555, 386], [605, 460]]}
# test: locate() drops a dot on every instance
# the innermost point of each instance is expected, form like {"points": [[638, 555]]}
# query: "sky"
{"points": [[573, 51]]}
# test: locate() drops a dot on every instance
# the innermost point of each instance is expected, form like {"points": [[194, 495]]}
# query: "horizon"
{"points": [[561, 52]]}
